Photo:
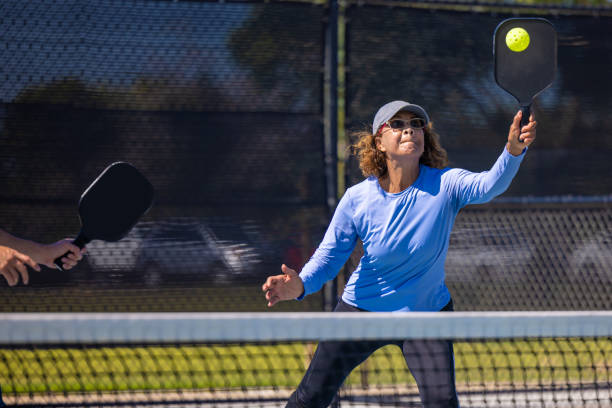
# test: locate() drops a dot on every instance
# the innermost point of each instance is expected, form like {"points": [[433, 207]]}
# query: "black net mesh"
{"points": [[569, 366], [219, 105], [572, 372], [549, 249]]}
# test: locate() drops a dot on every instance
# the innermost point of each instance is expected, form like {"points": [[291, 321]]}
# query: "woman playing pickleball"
{"points": [[403, 212]]}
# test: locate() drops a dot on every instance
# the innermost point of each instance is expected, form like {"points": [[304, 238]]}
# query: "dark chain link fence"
{"points": [[221, 106], [218, 104]]}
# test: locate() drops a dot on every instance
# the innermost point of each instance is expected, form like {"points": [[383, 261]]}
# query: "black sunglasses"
{"points": [[414, 123]]}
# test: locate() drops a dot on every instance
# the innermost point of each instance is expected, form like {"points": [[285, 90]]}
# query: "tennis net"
{"points": [[502, 359]]}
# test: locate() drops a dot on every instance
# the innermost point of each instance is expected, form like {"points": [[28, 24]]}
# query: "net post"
{"points": [[331, 129]]}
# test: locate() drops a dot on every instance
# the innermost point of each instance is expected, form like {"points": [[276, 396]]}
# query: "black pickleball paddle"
{"points": [[525, 71], [112, 205]]}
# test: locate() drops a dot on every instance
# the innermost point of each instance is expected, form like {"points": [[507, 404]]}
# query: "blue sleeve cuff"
{"points": [[303, 295]]}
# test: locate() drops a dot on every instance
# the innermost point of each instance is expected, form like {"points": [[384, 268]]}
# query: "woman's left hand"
{"points": [[283, 287], [519, 138]]}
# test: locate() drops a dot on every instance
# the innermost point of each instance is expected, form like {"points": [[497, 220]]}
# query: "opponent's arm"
{"points": [[44, 254], [13, 265]]}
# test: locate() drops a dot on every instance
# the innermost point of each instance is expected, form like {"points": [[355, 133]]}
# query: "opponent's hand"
{"points": [[13, 264], [283, 287], [46, 254], [519, 138]]}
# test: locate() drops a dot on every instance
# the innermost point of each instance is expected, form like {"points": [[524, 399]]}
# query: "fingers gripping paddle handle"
{"points": [[526, 112], [80, 241]]}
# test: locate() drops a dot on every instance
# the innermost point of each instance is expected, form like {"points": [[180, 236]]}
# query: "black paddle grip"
{"points": [[526, 113], [80, 241]]}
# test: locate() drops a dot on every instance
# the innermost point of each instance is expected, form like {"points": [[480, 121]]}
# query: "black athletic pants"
{"points": [[431, 362]]}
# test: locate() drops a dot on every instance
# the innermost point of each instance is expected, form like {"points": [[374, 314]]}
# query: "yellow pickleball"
{"points": [[517, 39]]}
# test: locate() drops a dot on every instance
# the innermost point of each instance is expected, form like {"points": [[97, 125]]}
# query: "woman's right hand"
{"points": [[519, 138], [283, 287]]}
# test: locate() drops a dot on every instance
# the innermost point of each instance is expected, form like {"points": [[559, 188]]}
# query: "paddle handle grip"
{"points": [[526, 112], [80, 241]]}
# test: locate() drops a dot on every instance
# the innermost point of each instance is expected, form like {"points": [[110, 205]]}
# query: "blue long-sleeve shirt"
{"points": [[405, 236]]}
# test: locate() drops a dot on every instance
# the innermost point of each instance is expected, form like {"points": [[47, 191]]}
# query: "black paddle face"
{"points": [[525, 73], [114, 202]]}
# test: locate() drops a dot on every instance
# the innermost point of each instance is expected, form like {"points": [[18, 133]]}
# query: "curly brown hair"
{"points": [[372, 161]]}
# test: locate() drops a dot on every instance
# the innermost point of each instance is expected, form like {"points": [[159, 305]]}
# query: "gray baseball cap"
{"points": [[389, 110]]}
